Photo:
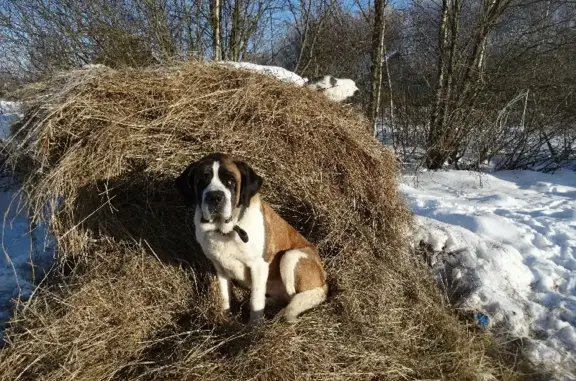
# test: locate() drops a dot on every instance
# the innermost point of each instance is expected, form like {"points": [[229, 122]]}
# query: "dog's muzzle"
{"points": [[215, 202]]}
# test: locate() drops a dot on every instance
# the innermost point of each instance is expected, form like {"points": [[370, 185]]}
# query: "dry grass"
{"points": [[133, 297]]}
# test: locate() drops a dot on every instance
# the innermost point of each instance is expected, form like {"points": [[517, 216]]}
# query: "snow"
{"points": [[9, 113], [8, 107], [505, 246], [340, 90], [275, 71], [336, 89], [26, 254]]}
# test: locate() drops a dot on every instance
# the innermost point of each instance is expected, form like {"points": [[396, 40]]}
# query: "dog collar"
{"points": [[241, 232]]}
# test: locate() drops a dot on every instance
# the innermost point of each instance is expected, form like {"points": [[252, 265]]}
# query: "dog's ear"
{"points": [[250, 185], [333, 81], [185, 184]]}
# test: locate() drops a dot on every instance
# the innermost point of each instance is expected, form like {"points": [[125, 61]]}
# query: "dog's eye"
{"points": [[230, 182], [207, 176]]}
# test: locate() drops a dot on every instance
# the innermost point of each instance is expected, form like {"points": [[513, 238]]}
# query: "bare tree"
{"points": [[459, 79], [378, 33], [309, 18], [215, 12], [48, 35], [242, 20]]}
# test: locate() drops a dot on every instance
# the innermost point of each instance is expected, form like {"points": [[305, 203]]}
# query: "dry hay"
{"points": [[133, 297]]}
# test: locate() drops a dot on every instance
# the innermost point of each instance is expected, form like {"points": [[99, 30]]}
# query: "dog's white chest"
{"points": [[229, 253]]}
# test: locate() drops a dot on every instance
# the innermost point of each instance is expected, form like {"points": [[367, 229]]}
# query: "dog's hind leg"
{"points": [[302, 302], [304, 280]]}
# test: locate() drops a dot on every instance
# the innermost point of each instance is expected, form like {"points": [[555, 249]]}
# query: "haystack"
{"points": [[133, 297]]}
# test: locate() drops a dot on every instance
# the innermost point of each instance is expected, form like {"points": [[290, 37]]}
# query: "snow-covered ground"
{"points": [[507, 249], [24, 253]]}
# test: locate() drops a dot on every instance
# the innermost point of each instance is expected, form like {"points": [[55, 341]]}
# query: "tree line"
{"points": [[445, 82]]}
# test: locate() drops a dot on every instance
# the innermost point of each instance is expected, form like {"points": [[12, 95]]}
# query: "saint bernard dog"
{"points": [[247, 241]]}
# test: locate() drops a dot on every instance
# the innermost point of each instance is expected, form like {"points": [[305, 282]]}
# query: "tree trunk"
{"points": [[200, 45], [215, 10], [236, 30], [389, 78], [377, 62], [436, 151]]}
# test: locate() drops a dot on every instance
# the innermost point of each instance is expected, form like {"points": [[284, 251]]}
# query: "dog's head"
{"points": [[218, 185]]}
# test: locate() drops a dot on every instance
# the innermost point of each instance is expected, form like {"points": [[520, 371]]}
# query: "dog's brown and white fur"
{"points": [[247, 241]]}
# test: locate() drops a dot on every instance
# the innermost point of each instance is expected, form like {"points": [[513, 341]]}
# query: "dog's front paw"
{"points": [[224, 315], [256, 318]]}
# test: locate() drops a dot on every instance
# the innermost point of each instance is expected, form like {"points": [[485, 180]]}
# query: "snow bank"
{"points": [[507, 248], [25, 253], [336, 89], [8, 107], [275, 71], [24, 258], [9, 113]]}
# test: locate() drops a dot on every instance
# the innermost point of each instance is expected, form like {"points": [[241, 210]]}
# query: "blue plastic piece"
{"points": [[481, 319]]}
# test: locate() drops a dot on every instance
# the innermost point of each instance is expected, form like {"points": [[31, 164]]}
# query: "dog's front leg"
{"points": [[224, 284], [259, 275]]}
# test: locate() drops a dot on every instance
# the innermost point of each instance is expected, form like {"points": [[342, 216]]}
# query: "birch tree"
{"points": [[377, 61]]}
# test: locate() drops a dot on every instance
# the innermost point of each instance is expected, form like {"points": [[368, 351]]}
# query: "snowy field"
{"points": [[506, 246], [24, 257]]}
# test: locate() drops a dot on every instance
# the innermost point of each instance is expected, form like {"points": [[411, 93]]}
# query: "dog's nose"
{"points": [[214, 197]]}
